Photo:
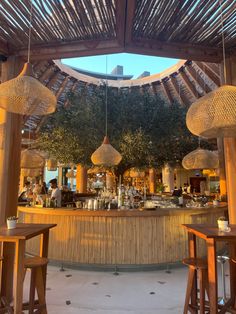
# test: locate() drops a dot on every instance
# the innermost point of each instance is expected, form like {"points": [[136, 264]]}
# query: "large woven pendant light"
{"points": [[106, 154], [31, 159], [201, 159], [214, 115], [31, 172], [24, 94]]}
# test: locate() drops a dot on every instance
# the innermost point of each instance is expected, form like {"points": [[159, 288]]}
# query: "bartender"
{"points": [[55, 193]]}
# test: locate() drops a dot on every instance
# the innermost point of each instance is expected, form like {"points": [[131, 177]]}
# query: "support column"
{"points": [[81, 179], [168, 178], [10, 148], [59, 176], [230, 151], [222, 175], [152, 182]]}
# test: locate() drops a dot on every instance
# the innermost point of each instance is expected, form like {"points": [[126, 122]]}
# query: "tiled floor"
{"points": [[89, 292]]}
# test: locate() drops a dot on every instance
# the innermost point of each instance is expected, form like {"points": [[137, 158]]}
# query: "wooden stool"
{"points": [[5, 306], [199, 265], [35, 264]]}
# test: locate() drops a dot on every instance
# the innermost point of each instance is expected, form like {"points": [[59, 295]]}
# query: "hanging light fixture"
{"points": [[106, 154], [214, 115], [51, 164], [31, 172], [24, 94], [201, 159], [31, 159]]}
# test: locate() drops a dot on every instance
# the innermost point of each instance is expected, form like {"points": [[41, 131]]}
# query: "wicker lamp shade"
{"points": [[52, 164], [98, 169], [25, 95], [214, 115], [134, 173], [201, 159], [106, 155], [71, 174], [31, 172], [31, 159]]}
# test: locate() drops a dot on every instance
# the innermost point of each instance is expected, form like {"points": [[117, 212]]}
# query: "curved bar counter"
{"points": [[115, 237]]}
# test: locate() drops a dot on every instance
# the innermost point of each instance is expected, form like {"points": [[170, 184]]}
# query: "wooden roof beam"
{"points": [[209, 72], [174, 50], [190, 87], [197, 79], [166, 91], [177, 87], [4, 49], [71, 49], [120, 20], [130, 11]]}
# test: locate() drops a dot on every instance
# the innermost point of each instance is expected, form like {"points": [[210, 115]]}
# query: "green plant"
{"points": [[222, 218], [160, 187], [12, 218]]}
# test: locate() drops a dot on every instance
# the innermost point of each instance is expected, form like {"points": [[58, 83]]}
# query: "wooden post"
{"points": [[10, 148], [222, 174], [168, 177], [81, 179], [152, 182], [230, 150]]}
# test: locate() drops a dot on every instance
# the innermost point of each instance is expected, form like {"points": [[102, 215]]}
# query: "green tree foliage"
{"points": [[141, 126]]}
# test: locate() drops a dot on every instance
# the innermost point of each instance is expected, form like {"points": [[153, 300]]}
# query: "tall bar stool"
{"points": [[198, 265], [222, 259], [36, 264]]}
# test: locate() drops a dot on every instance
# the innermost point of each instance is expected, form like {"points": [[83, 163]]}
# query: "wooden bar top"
{"points": [[206, 231], [24, 231], [121, 213]]}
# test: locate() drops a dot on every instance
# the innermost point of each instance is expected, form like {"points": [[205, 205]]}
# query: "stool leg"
{"points": [[32, 291], [41, 290], [202, 285], [191, 274]]}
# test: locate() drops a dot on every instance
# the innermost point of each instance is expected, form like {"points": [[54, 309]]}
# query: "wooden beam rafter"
{"points": [[174, 50], [71, 49]]}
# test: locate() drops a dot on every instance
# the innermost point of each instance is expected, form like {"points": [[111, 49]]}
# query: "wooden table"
{"points": [[19, 236], [211, 235]]}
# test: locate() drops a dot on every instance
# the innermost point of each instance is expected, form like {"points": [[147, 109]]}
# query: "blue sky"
{"points": [[133, 64]]}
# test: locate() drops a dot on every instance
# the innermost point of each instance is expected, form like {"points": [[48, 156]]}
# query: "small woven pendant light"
{"points": [[24, 94], [106, 154], [214, 115], [71, 174], [201, 159], [51, 164], [134, 173], [31, 159]]}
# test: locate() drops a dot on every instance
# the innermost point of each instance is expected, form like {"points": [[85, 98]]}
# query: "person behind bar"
{"points": [[55, 193]]}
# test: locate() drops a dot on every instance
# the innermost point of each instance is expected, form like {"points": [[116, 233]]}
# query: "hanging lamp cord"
{"points": [[106, 97], [30, 30], [223, 41]]}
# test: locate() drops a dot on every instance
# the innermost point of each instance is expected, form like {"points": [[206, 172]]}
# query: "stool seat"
{"points": [[36, 261], [234, 260], [198, 263]]}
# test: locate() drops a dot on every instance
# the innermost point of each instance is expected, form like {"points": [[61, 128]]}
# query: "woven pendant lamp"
{"points": [[201, 159], [134, 173], [51, 164], [24, 94], [214, 115], [106, 155], [31, 172], [71, 174], [31, 159]]}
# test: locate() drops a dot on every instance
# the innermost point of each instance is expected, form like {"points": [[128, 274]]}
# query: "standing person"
{"points": [[44, 189], [55, 192]]}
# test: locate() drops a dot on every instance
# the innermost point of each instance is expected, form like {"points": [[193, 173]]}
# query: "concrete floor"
{"points": [[89, 292]]}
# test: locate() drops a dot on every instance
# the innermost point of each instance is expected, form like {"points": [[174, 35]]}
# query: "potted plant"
{"points": [[11, 222], [223, 223]]}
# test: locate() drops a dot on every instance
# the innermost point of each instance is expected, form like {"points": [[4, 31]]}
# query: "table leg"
{"points": [[232, 254], [212, 275], [44, 240], [193, 253], [18, 276]]}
